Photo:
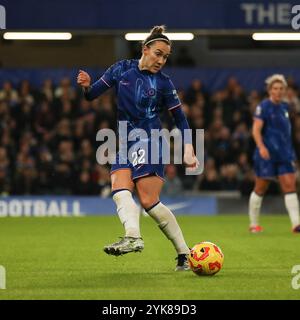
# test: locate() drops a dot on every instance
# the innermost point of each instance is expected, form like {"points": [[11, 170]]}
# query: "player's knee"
{"points": [[121, 180], [119, 184], [261, 187], [290, 188], [148, 201], [260, 191]]}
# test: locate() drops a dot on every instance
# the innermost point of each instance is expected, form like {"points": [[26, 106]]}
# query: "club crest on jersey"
{"points": [[151, 92], [286, 114]]}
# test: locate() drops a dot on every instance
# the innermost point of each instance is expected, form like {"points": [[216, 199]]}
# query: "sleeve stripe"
{"points": [[105, 82], [178, 105]]}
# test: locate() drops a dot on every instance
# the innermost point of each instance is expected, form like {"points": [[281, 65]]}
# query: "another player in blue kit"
{"points": [[142, 91], [274, 154]]}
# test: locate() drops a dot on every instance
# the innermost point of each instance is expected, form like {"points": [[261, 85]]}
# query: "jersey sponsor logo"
{"points": [[2, 278], [179, 205], [124, 83]]}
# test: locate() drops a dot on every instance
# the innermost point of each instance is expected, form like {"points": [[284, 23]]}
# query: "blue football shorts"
{"points": [[269, 169], [139, 163]]}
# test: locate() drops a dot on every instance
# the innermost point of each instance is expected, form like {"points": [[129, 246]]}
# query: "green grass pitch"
{"points": [[62, 258]]}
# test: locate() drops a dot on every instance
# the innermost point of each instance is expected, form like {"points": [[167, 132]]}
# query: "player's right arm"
{"points": [[256, 132], [91, 91], [109, 79], [83, 79]]}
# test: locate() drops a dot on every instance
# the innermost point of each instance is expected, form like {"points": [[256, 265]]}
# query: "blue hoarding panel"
{"points": [[212, 78], [72, 206]]}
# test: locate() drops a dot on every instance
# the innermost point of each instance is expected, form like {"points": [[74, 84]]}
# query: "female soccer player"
{"points": [[274, 154], [142, 90]]}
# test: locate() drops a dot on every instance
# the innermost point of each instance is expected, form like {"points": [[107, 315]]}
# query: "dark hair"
{"points": [[156, 34]]}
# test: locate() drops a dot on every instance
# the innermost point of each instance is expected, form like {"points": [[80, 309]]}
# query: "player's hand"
{"points": [[189, 158], [264, 153], [83, 79]]}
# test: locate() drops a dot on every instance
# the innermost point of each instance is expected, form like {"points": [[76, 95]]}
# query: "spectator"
{"points": [[191, 93], [229, 177], [210, 181], [172, 185], [85, 186], [101, 175], [66, 89], [9, 95], [47, 91], [25, 95]]}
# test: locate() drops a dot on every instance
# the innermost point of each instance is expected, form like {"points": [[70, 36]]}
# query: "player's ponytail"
{"points": [[156, 34], [158, 30]]}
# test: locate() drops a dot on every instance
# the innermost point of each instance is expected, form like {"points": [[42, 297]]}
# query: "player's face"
{"points": [[277, 92], [156, 56]]}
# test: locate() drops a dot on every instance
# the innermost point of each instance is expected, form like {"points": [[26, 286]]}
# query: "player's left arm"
{"points": [[174, 106], [181, 122]]}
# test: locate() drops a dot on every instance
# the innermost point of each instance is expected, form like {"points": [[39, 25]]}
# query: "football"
{"points": [[206, 258]]}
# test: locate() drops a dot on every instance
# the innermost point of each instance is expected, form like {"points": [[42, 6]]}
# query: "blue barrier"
{"points": [[72, 206], [212, 78]]}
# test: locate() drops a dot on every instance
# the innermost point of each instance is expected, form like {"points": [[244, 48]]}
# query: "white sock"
{"points": [[254, 208], [169, 226], [128, 213], [292, 205]]}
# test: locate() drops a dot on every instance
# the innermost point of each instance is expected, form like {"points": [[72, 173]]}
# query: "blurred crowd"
{"points": [[48, 138]]}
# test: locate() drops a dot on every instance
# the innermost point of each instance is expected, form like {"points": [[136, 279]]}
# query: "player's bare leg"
{"points": [[148, 189], [255, 201], [122, 187], [288, 187]]}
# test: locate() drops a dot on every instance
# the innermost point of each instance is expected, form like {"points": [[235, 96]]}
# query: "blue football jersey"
{"points": [[276, 130], [140, 94]]}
